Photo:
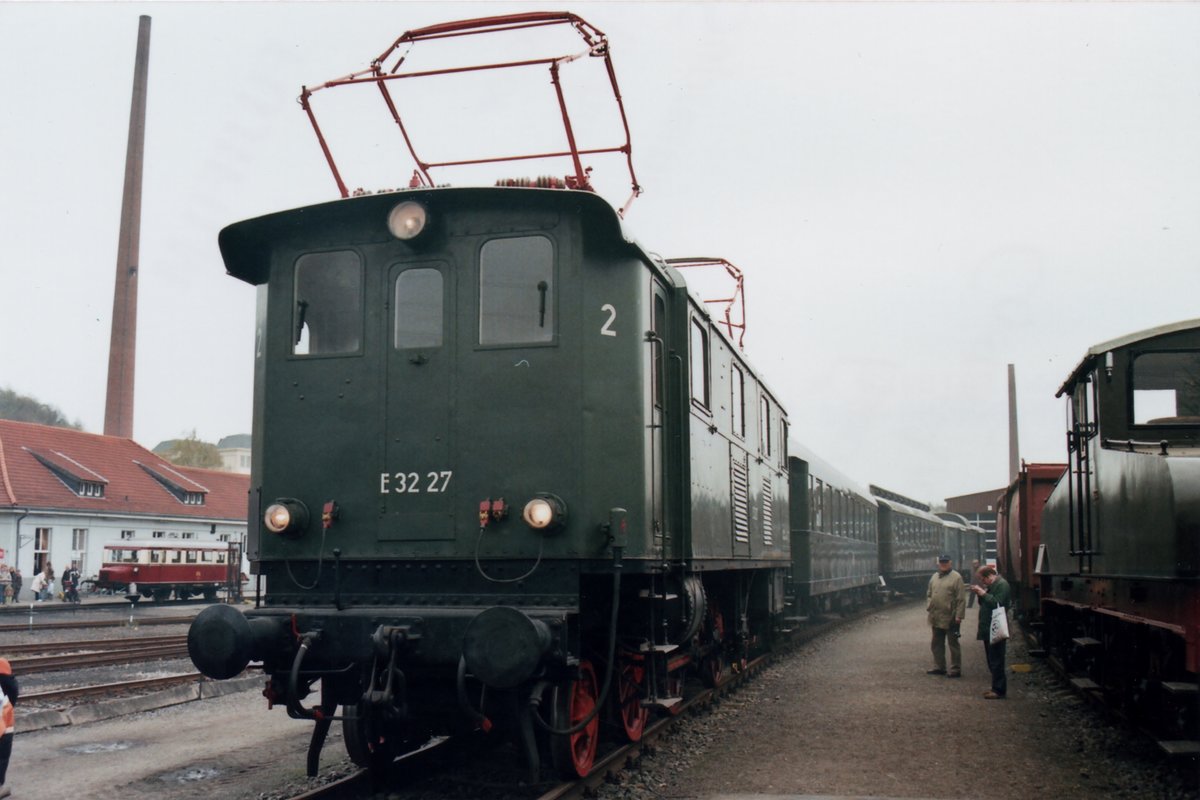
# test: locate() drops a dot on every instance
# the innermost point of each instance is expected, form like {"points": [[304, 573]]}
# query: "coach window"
{"points": [[764, 427], [418, 308], [516, 291], [328, 306], [699, 363], [738, 404]]}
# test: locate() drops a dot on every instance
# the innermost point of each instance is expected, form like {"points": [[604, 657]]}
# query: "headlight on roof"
{"points": [[407, 220]]}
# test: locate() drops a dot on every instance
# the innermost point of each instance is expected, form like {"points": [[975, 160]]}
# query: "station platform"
{"points": [[853, 714]]}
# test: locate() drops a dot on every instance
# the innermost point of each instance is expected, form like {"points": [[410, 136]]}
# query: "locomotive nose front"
{"points": [[221, 641], [503, 646]]}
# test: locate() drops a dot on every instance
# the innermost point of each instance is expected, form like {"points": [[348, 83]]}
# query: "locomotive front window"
{"points": [[418, 307], [327, 313], [1166, 388], [516, 291]]}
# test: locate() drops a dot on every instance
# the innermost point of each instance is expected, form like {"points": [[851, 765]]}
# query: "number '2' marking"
{"points": [[606, 328]]}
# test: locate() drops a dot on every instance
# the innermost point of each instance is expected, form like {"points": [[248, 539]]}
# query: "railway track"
{"points": [[93, 645], [103, 653], [91, 623], [110, 689]]}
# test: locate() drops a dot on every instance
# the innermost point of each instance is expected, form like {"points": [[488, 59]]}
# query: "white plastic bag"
{"points": [[999, 628]]}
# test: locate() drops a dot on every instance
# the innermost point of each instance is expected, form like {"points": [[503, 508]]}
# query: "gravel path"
{"points": [[854, 714]]}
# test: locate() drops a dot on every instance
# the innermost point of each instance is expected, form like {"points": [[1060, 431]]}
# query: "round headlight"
{"points": [[278, 518], [545, 512], [407, 220], [286, 516]]}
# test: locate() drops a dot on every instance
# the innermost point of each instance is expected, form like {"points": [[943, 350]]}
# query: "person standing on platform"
{"points": [[946, 603], [8, 699], [993, 592]]}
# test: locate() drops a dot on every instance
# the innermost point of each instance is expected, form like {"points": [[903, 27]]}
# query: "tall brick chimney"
{"points": [[118, 410]]}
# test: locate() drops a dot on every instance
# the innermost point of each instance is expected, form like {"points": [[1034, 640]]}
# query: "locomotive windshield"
{"points": [[419, 308], [516, 291], [1166, 388], [328, 311]]}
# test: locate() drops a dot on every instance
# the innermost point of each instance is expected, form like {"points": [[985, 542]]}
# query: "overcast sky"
{"points": [[919, 194]]}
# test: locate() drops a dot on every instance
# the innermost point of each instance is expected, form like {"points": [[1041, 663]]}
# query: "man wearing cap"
{"points": [[947, 603]]}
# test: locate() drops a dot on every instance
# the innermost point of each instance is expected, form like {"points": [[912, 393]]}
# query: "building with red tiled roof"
{"points": [[64, 494]]}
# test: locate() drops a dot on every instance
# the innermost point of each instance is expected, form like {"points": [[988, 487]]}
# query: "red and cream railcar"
{"points": [[160, 568]]}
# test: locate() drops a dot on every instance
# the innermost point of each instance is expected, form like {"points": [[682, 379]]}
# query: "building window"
{"points": [[224, 537], [79, 541], [126, 535], [41, 547], [187, 535], [158, 535], [328, 306], [516, 291]]}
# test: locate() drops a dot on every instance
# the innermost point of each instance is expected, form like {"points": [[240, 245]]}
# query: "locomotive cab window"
{"points": [[516, 291], [418, 308], [1166, 388], [327, 312], [699, 364], [738, 401]]}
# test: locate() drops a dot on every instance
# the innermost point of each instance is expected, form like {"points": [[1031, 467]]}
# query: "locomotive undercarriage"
{"points": [[1140, 667], [545, 677]]}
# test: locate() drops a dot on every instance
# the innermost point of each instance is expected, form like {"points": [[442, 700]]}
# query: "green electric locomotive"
{"points": [[498, 451]]}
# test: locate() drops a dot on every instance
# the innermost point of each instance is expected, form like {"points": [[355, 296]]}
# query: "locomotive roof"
{"points": [[244, 244], [1085, 364]]}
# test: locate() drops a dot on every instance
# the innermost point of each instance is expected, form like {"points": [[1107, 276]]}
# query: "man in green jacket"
{"points": [[993, 592], [946, 603]]}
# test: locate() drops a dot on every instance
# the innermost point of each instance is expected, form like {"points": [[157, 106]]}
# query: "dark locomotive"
{"points": [[1119, 562], [510, 475]]}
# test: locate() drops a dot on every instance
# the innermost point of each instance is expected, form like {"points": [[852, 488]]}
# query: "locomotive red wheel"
{"points": [[712, 668], [573, 754], [364, 744], [633, 714]]}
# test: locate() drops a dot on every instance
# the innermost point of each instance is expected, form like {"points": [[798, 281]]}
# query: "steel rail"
{"points": [[93, 623], [90, 644], [118, 687], [58, 663]]}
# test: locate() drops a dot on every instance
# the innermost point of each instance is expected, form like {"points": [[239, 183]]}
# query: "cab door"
{"points": [[416, 484], [659, 471]]}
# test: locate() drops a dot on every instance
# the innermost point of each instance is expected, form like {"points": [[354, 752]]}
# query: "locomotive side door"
{"points": [[416, 482], [659, 366]]}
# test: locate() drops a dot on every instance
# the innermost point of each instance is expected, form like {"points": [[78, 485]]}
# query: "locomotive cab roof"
{"points": [[1087, 363], [246, 245]]}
